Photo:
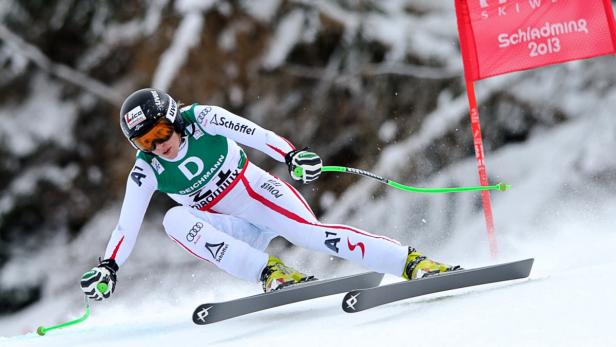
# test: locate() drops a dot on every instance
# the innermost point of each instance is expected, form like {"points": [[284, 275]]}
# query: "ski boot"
{"points": [[419, 266], [277, 275]]}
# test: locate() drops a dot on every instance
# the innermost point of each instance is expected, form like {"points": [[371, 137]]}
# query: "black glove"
{"points": [[99, 283], [303, 165]]}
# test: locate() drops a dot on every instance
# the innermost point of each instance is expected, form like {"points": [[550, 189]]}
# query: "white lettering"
{"points": [[547, 30], [172, 110], [505, 7], [552, 45], [582, 25], [503, 40], [205, 177], [184, 167], [156, 99]]}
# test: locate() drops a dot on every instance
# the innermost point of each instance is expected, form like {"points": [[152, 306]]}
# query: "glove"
{"points": [[99, 283], [303, 165]]}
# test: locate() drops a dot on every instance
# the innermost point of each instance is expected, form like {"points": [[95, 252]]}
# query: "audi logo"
{"points": [[192, 233]]}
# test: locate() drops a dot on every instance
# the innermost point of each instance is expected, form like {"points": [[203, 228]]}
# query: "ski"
{"points": [[215, 312], [363, 299]]}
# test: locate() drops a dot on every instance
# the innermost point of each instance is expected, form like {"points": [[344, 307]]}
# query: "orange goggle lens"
{"points": [[160, 132]]}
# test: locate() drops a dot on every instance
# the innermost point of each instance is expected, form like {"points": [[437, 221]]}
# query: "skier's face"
{"points": [[170, 148]]}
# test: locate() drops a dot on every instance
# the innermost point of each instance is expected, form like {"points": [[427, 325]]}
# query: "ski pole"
{"points": [[43, 330], [500, 186]]}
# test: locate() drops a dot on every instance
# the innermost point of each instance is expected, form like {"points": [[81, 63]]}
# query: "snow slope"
{"points": [[568, 301], [554, 213]]}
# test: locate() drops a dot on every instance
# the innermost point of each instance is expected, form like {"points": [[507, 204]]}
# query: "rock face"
{"points": [[350, 79]]}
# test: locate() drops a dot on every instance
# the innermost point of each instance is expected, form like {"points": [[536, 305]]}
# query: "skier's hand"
{"points": [[99, 283], [303, 165]]}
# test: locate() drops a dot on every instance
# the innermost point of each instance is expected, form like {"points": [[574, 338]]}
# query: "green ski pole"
{"points": [[43, 330], [500, 186]]}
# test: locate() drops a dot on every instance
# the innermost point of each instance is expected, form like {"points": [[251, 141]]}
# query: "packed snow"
{"points": [[568, 301]]}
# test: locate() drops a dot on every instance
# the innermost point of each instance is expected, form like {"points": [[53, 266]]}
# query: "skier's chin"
{"points": [[170, 153]]}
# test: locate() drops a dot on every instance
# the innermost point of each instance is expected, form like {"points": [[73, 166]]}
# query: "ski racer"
{"points": [[230, 209]]}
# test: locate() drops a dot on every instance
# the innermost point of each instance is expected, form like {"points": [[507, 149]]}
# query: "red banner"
{"points": [[501, 36]]}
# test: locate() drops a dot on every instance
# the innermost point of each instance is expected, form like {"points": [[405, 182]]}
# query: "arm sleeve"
{"points": [[140, 186], [218, 121]]}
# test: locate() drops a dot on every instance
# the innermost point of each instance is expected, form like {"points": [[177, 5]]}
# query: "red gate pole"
{"points": [[481, 167]]}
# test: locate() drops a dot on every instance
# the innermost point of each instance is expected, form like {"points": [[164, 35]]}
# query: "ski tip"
{"points": [[201, 314], [350, 301], [41, 331], [530, 262]]}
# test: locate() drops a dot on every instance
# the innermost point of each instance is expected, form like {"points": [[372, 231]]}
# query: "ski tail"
{"points": [[363, 299]]}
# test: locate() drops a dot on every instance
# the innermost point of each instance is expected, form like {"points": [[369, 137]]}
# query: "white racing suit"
{"points": [[230, 208]]}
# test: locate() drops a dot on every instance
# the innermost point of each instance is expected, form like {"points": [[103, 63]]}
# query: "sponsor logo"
{"points": [[157, 166], [352, 301], [194, 131], [137, 176], [201, 116], [240, 128], [331, 241], [197, 133], [134, 117], [172, 110], [202, 315], [225, 179], [205, 176], [353, 246], [186, 170], [272, 186], [156, 99], [217, 250], [194, 231]]}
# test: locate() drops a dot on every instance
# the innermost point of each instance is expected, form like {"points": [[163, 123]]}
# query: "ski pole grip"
{"points": [[298, 171], [102, 287]]}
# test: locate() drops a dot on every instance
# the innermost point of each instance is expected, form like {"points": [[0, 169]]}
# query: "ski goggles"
{"points": [[160, 132]]}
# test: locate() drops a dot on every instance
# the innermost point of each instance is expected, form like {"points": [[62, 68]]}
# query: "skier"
{"points": [[230, 209]]}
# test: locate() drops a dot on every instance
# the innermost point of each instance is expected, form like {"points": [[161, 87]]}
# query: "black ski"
{"points": [[363, 299], [218, 311]]}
